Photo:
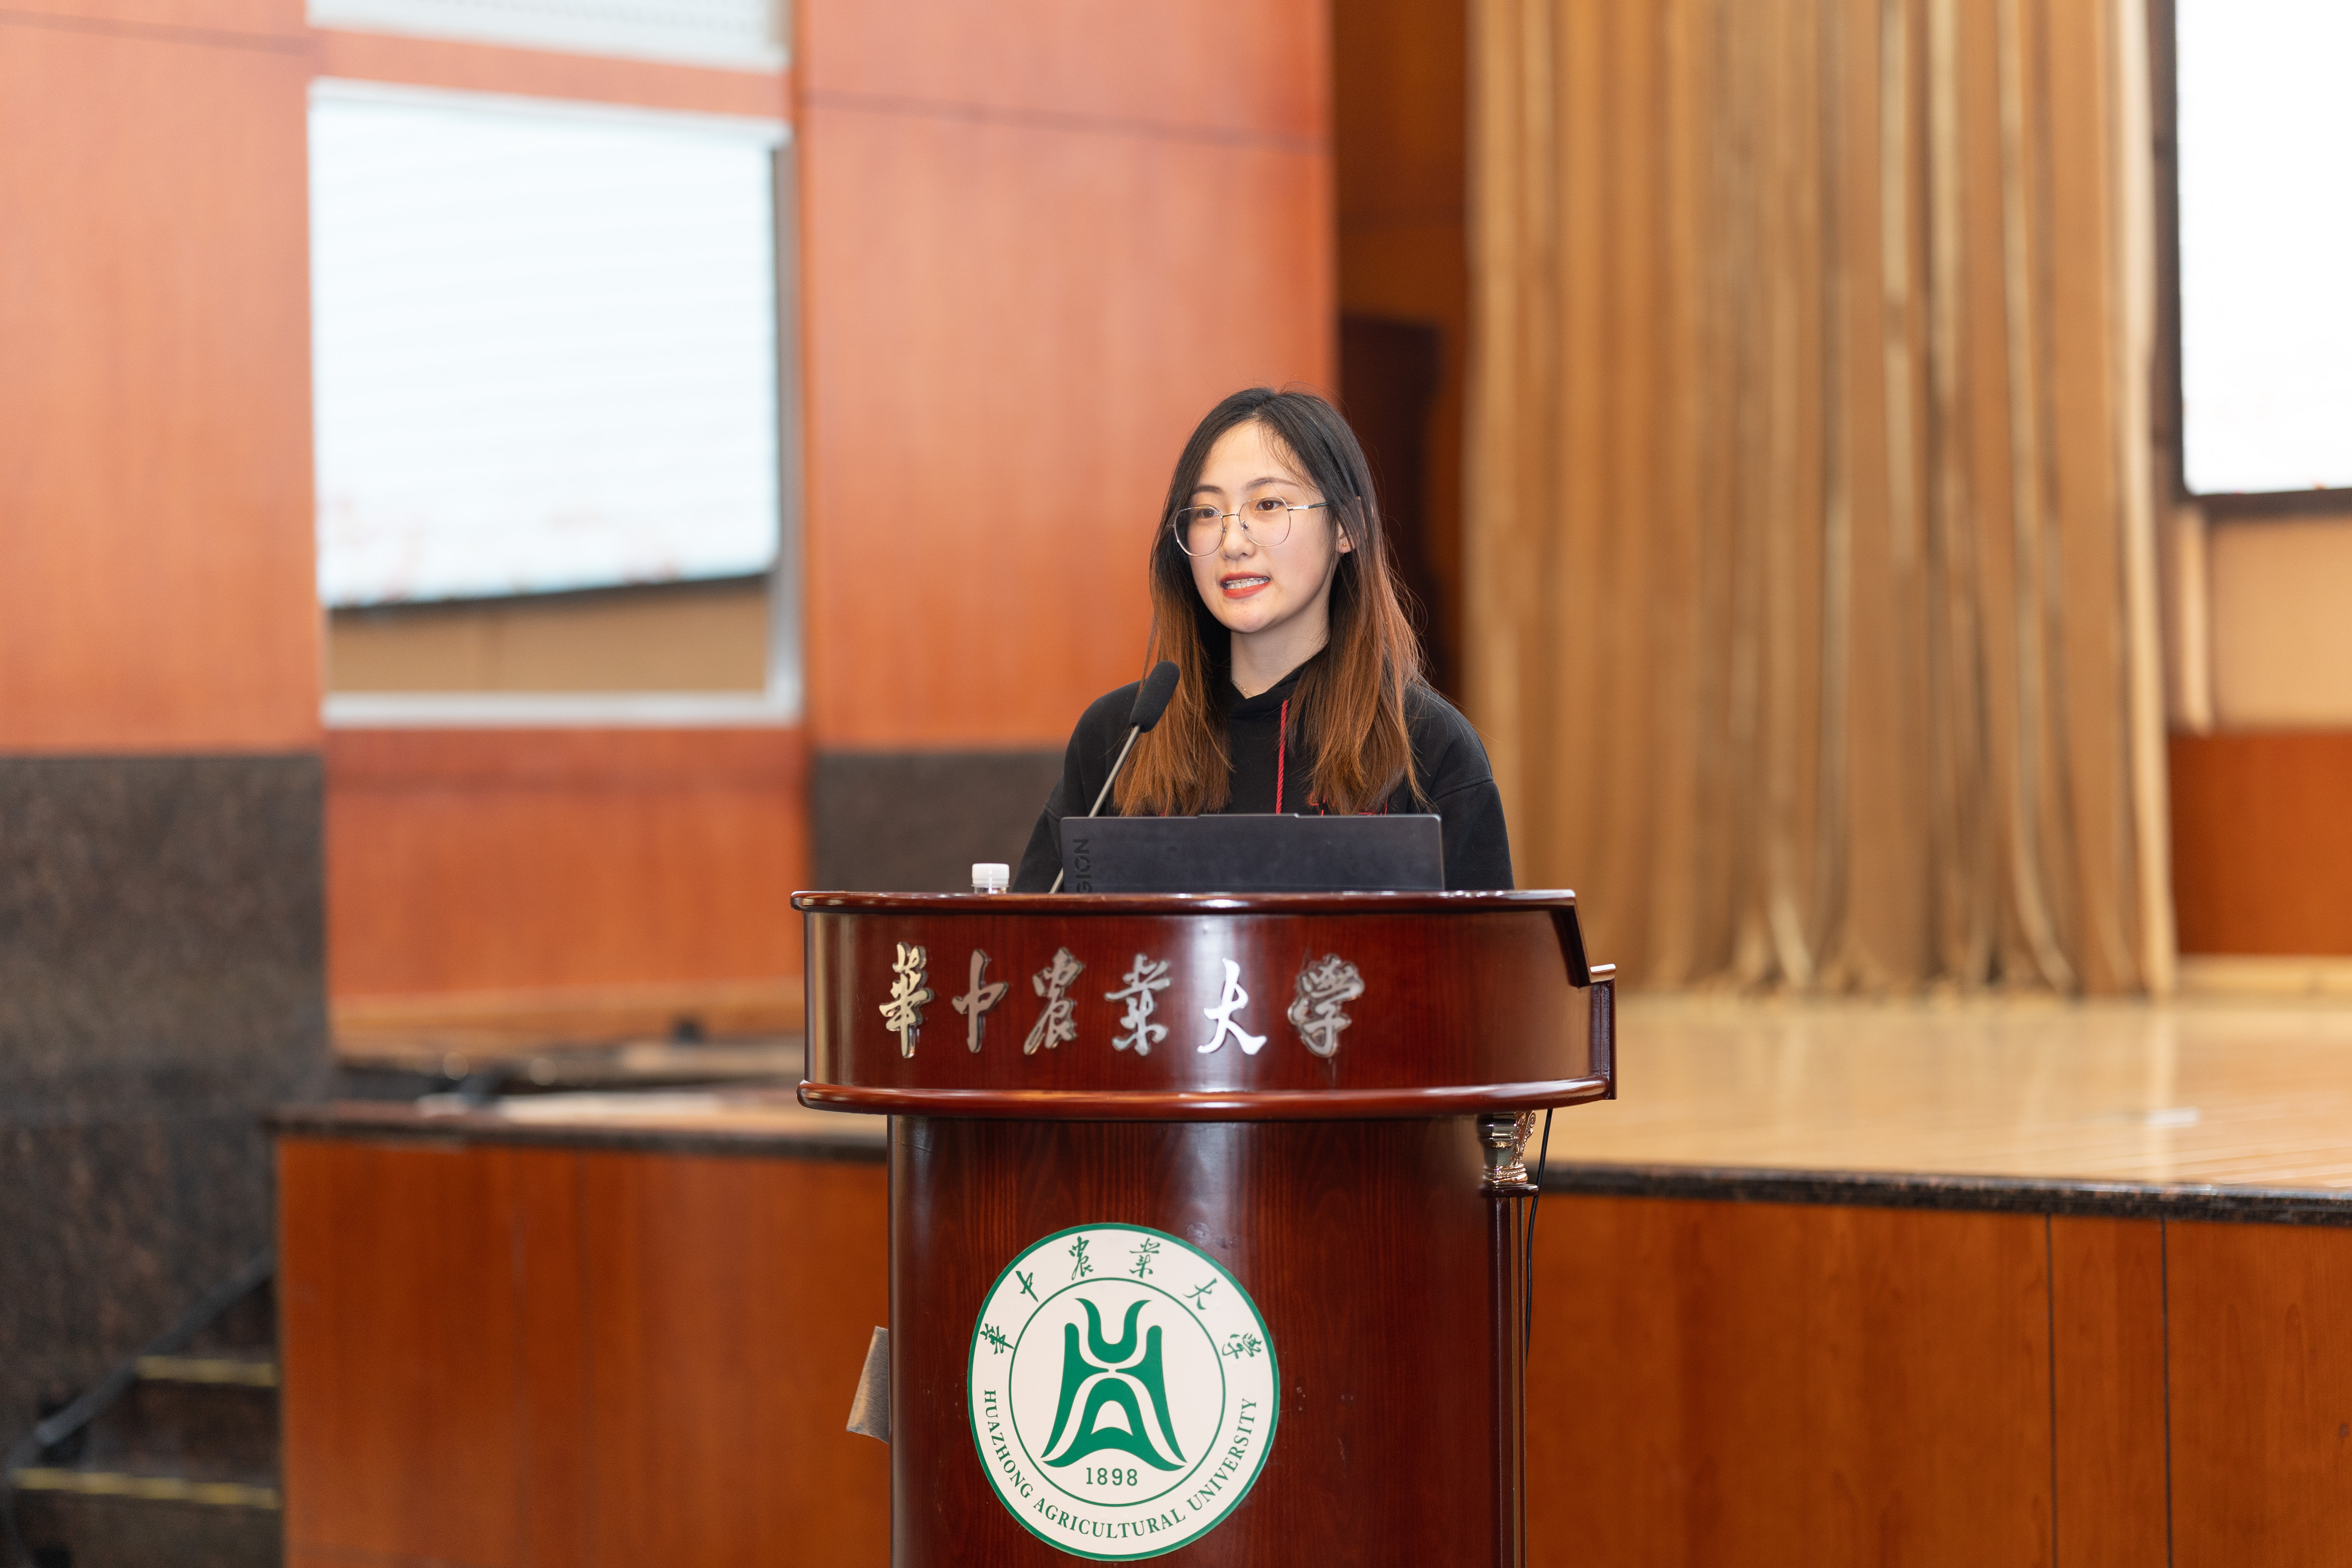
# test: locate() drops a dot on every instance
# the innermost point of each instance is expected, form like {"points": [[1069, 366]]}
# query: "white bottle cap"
{"points": [[990, 877]]}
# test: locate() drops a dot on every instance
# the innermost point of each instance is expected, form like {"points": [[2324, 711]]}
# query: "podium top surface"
{"points": [[1202, 1007], [1074, 904]]}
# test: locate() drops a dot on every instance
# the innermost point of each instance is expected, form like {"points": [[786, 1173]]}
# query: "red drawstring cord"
{"points": [[1279, 735], [1282, 735]]}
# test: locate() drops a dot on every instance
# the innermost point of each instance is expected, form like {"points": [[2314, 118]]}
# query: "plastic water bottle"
{"points": [[990, 877]]}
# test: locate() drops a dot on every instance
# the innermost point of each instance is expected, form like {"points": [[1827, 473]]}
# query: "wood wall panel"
{"points": [[156, 507], [2107, 1400], [540, 73], [1715, 1383], [2261, 1317], [512, 1358], [1243, 69], [1012, 329], [2261, 842], [496, 860], [735, 1300], [1400, 153], [1400, 116], [1037, 248]]}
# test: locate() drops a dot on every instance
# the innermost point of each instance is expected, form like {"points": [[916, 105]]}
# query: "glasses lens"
{"points": [[1198, 530], [1268, 518]]}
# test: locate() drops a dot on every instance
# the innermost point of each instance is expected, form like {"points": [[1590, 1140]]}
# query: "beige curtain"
{"points": [[1810, 614]]}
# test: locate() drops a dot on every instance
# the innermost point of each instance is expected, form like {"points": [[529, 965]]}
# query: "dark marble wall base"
{"points": [[162, 984], [914, 822]]}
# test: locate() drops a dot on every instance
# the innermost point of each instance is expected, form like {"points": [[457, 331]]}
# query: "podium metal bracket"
{"points": [[1504, 1139]]}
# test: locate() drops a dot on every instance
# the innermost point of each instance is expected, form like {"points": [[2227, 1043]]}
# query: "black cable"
{"points": [[1528, 1262]]}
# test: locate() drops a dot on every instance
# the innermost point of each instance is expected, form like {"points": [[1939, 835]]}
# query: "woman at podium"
{"points": [[1299, 683]]}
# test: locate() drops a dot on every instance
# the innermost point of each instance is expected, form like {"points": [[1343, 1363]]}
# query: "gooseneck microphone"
{"points": [[1150, 703]]}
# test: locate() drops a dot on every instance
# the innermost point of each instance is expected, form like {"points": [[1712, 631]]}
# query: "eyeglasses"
{"points": [[1264, 521]]}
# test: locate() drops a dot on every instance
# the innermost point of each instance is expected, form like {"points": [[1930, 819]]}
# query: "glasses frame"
{"points": [[1176, 526]]}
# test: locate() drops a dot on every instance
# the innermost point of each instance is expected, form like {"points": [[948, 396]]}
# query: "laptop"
{"points": [[1253, 854]]}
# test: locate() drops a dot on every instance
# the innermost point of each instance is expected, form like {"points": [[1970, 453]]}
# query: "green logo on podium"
{"points": [[1114, 1395], [1123, 1391]]}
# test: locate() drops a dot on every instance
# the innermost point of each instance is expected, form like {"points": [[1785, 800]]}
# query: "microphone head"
{"points": [[1153, 701]]}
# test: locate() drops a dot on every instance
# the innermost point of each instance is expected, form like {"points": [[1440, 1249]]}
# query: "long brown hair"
{"points": [[1349, 713]]}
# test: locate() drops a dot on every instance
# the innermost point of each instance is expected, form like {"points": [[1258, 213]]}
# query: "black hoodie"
{"points": [[1456, 779]]}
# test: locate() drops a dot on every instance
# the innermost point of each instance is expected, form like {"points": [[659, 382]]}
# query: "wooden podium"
{"points": [[1205, 1211]]}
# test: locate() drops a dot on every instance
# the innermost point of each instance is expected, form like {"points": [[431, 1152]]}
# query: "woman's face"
{"points": [[1253, 587]]}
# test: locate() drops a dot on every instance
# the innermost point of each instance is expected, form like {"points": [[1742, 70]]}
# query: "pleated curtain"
{"points": [[1810, 611]]}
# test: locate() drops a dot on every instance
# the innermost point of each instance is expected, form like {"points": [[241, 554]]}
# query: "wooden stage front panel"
{"points": [[2080, 1326], [2022, 1283], [1809, 1384], [2260, 1319], [1787, 1385], [2108, 1406], [542, 1357]]}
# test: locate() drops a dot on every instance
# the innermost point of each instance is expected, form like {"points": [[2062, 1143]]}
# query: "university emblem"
{"points": [[1123, 1391]]}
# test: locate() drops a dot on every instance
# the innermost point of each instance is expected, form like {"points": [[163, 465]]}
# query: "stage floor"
{"points": [[2190, 1093]]}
